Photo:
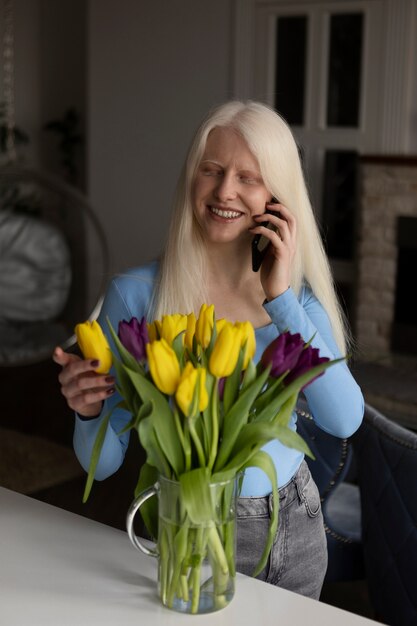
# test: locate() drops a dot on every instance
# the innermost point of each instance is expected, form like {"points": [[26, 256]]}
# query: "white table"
{"points": [[60, 569]]}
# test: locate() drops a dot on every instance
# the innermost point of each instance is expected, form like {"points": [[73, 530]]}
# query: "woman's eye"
{"points": [[211, 172]]}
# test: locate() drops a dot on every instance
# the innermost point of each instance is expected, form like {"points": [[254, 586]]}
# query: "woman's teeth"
{"points": [[225, 214]]}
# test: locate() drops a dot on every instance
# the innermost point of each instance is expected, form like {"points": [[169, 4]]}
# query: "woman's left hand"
{"points": [[276, 266]]}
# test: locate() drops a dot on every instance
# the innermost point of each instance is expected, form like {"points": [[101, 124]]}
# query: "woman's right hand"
{"points": [[83, 389]]}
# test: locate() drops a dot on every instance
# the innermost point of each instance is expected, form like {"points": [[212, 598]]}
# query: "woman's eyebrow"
{"points": [[243, 168]]}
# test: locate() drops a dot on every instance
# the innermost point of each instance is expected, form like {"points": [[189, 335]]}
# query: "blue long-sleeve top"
{"points": [[335, 400]]}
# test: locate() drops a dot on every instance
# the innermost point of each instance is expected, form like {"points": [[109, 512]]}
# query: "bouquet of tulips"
{"points": [[203, 411]]}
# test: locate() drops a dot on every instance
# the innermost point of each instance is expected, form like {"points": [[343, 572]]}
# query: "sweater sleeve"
{"points": [[125, 298], [335, 399]]}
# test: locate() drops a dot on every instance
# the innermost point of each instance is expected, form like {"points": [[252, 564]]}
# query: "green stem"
{"points": [[216, 548], [163, 564], [179, 428], [196, 573], [215, 430], [178, 554], [187, 448], [197, 443]]}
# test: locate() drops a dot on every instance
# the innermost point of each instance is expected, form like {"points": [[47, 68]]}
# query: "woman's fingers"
{"points": [[83, 389], [86, 383], [63, 358], [276, 267], [281, 219], [89, 403]]}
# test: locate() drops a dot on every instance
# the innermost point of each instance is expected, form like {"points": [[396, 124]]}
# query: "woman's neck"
{"points": [[229, 265], [233, 288]]}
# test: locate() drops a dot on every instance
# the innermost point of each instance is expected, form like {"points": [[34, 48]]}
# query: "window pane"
{"points": [[344, 78], [339, 202], [291, 46]]}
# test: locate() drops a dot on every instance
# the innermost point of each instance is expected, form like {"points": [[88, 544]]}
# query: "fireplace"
{"points": [[385, 322], [404, 328]]}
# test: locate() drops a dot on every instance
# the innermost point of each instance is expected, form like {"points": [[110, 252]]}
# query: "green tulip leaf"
{"points": [[277, 411], [232, 384], [236, 418], [263, 461], [195, 493], [148, 476], [95, 455], [144, 411], [162, 421], [249, 375], [154, 453]]}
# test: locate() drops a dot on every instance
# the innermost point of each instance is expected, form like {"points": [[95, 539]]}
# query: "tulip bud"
{"points": [[163, 365], [308, 359], [190, 378], [248, 340], [172, 326], [94, 345], [283, 353], [153, 333], [225, 354], [204, 325], [220, 324], [189, 333], [134, 336]]}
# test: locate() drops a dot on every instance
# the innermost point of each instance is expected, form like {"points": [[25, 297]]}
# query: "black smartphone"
{"points": [[260, 243]]}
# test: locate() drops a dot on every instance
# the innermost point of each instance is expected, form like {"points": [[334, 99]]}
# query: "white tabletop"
{"points": [[60, 569]]}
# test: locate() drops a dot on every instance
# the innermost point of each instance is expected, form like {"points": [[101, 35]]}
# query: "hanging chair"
{"points": [[54, 264]]}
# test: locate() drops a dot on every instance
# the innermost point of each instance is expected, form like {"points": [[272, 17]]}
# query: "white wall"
{"points": [[63, 73], [155, 68]]}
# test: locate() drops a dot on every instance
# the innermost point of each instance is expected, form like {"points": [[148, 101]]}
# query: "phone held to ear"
{"points": [[260, 243]]}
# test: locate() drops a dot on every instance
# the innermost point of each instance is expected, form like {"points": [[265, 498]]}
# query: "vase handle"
{"points": [[134, 508]]}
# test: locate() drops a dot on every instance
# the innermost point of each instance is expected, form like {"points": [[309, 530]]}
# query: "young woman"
{"points": [[242, 158]]}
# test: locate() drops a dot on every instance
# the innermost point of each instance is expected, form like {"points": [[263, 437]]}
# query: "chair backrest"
{"points": [[332, 455], [340, 499], [386, 455]]}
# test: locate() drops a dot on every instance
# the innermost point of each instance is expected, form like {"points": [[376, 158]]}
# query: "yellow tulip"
{"points": [[189, 333], [220, 324], [93, 344], [163, 365], [190, 378], [172, 326], [152, 331], [248, 339], [158, 328], [225, 352], [204, 325]]}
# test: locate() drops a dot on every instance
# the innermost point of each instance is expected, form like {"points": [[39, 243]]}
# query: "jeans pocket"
{"points": [[311, 498]]}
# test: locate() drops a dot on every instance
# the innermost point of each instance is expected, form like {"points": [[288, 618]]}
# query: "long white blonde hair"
{"points": [[181, 283]]}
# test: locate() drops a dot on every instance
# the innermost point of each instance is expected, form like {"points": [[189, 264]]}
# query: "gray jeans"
{"points": [[298, 559]]}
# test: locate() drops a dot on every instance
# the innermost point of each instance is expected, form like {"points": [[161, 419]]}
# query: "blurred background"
{"points": [[102, 99]]}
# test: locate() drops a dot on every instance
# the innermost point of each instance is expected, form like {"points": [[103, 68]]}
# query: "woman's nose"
{"points": [[226, 188]]}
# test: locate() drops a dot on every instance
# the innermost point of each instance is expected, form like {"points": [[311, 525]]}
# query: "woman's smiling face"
{"points": [[228, 189]]}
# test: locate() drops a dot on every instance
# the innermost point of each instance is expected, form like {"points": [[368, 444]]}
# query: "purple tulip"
{"points": [[134, 336], [283, 353], [309, 358]]}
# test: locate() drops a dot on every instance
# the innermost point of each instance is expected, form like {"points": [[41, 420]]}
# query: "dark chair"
{"points": [[386, 456], [340, 499]]}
